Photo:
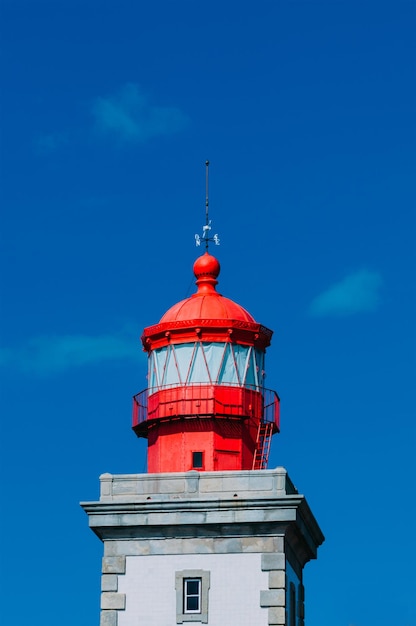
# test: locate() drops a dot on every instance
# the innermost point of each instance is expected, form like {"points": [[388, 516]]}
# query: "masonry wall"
{"points": [[233, 597], [246, 534]]}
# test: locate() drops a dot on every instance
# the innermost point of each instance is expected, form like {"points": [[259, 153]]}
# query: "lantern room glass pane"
{"points": [[251, 372], [206, 362], [171, 374], [213, 354], [241, 354], [152, 377], [228, 372], [199, 371], [184, 353], [156, 367]]}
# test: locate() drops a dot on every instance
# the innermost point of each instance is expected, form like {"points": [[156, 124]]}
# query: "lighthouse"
{"points": [[208, 535], [206, 407]]}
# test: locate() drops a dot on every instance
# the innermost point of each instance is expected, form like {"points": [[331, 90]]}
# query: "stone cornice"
{"points": [[206, 504]]}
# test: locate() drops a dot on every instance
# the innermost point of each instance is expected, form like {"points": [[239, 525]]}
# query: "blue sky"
{"points": [[306, 111]]}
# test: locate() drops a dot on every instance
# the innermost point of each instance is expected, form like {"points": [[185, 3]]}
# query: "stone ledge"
{"points": [[193, 545], [193, 484], [181, 505], [282, 509]]}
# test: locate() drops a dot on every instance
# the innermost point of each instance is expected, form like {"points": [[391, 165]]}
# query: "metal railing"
{"points": [[206, 400]]}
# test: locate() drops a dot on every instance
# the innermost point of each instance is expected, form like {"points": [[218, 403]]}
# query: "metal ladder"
{"points": [[264, 438]]}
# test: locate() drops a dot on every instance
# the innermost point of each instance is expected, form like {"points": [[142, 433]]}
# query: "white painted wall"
{"points": [[234, 595]]}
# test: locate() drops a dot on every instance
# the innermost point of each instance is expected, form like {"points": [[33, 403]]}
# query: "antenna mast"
{"points": [[205, 229], [206, 200]]}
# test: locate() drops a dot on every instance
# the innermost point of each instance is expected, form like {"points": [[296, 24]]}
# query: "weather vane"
{"points": [[206, 229]]}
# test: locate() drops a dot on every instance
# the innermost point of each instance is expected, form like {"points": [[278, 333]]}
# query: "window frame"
{"points": [[188, 595], [181, 578], [194, 465]]}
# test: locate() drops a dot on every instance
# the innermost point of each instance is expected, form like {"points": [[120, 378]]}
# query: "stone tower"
{"points": [[209, 535]]}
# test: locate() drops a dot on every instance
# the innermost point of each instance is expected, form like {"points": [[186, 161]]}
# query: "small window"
{"points": [[192, 596], [197, 460]]}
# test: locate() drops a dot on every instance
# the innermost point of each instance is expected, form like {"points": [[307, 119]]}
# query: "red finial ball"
{"points": [[206, 265]]}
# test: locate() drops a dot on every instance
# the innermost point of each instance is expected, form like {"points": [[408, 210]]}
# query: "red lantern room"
{"points": [[206, 407]]}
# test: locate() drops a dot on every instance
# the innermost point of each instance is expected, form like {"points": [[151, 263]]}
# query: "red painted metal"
{"points": [[206, 303], [229, 425], [264, 438], [171, 446], [206, 315], [202, 401], [220, 421], [207, 329]]}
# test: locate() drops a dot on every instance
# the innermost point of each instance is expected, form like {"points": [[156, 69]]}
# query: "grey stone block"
{"points": [[109, 582], [258, 544], [193, 545], [137, 548], [115, 601], [214, 485], [157, 546], [245, 483], [260, 482], [249, 515], [114, 565], [273, 561], [106, 481], [279, 544], [228, 546], [123, 487], [235, 482], [272, 597], [218, 517], [282, 515], [277, 579], [108, 618], [192, 482], [276, 616]]}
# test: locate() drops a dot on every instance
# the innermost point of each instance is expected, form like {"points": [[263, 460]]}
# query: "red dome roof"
{"points": [[206, 303], [206, 316]]}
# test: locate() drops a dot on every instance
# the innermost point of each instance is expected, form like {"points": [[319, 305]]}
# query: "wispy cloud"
{"points": [[356, 293], [52, 354], [130, 116]]}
